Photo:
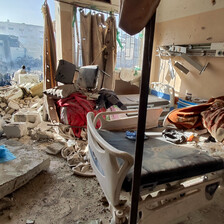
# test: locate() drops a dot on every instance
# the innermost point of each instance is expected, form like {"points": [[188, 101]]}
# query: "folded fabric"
{"points": [[5, 154], [60, 92]]}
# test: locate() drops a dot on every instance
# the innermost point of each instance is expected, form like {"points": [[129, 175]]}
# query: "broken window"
{"points": [[129, 48]]}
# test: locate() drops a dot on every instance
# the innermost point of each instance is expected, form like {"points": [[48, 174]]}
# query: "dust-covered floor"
{"points": [[56, 196]]}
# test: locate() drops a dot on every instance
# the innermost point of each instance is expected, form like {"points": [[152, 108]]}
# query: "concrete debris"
{"points": [[14, 105], [2, 122], [15, 129], [6, 203], [54, 148], [40, 135], [37, 90], [31, 117], [24, 168], [16, 93]]}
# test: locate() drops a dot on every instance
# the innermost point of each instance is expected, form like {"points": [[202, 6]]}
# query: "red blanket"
{"points": [[76, 108]]}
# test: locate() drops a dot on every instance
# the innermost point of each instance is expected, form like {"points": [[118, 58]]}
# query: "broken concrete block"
{"points": [[2, 122], [7, 109], [11, 111], [28, 78], [15, 93], [7, 117], [40, 135], [14, 105], [54, 148], [37, 90], [15, 130], [21, 170], [3, 113], [32, 118], [3, 105]]}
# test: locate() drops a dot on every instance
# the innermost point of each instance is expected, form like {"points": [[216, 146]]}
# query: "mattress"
{"points": [[163, 162]]}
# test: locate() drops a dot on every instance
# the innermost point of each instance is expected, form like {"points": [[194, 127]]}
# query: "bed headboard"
{"points": [[104, 161], [164, 91]]}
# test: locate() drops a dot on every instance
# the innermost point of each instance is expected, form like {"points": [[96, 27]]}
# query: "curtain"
{"points": [[99, 47]]}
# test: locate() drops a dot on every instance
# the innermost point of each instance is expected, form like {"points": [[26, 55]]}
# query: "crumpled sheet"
{"points": [[74, 109], [209, 115], [213, 119], [188, 117], [108, 98]]}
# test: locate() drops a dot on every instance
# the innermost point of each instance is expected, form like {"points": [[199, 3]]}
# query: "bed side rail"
{"points": [[129, 122], [103, 158]]}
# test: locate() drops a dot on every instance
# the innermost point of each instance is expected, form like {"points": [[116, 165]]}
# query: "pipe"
{"points": [[144, 91]]}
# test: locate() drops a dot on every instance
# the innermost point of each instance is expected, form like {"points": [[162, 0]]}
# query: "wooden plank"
{"points": [[114, 7], [17, 172]]}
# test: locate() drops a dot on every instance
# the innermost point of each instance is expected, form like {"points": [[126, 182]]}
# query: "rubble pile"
{"points": [[13, 99]]}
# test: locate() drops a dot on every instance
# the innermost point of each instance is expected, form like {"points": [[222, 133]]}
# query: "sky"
{"points": [[24, 11]]}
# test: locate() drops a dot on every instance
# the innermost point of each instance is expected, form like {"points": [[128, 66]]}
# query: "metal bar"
{"points": [[144, 91], [192, 62], [181, 67]]}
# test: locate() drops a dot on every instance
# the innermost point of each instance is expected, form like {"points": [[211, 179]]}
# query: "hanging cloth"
{"points": [[98, 33], [86, 38], [110, 53]]}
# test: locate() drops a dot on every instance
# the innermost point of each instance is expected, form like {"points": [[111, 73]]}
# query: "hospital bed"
{"points": [[161, 95], [174, 179]]}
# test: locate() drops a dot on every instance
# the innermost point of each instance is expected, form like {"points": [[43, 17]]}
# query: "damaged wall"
{"points": [[190, 22]]}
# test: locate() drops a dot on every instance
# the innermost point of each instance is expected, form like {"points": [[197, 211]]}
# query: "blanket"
{"points": [[188, 117], [213, 119], [209, 115], [73, 111]]}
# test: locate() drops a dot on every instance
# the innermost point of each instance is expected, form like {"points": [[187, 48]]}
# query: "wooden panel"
{"points": [[114, 6]]}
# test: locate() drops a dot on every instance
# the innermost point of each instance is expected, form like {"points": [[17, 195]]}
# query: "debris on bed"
{"points": [[207, 116]]}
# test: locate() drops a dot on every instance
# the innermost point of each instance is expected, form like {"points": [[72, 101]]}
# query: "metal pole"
{"points": [[144, 91]]}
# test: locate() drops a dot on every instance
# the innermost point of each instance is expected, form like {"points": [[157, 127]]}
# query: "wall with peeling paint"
{"points": [[190, 22]]}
